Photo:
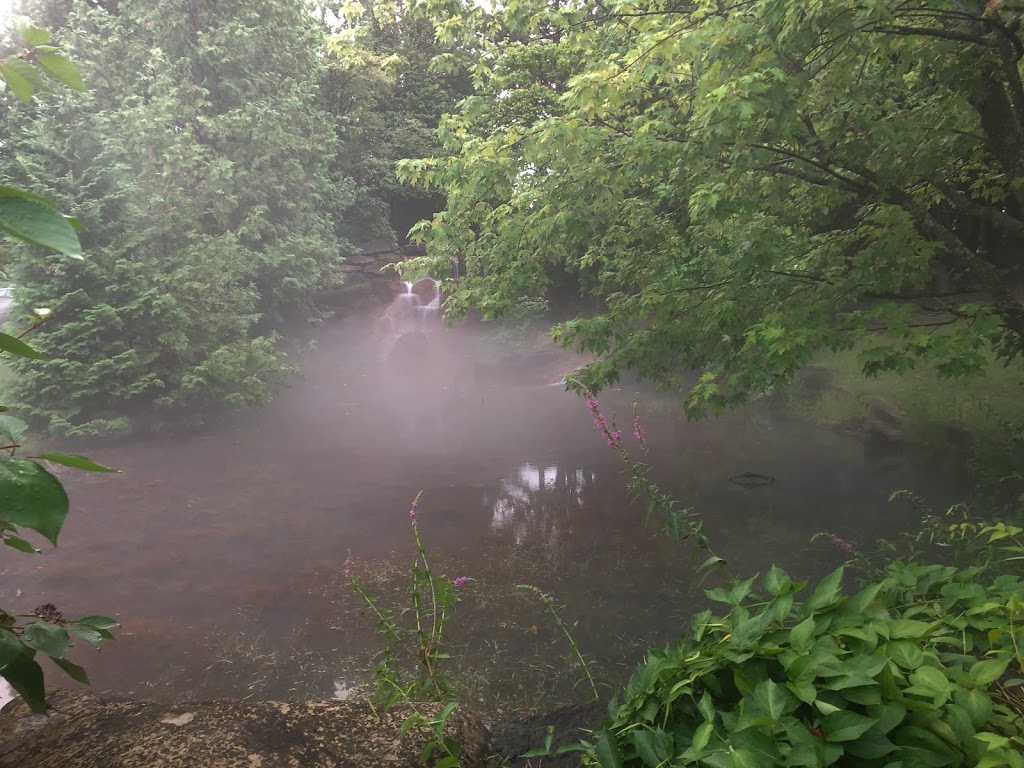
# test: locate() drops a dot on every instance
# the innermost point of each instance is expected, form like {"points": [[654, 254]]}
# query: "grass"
{"points": [[982, 406], [977, 422]]}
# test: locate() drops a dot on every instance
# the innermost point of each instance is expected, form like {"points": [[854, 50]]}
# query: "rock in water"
{"points": [[426, 289], [85, 731], [883, 422]]}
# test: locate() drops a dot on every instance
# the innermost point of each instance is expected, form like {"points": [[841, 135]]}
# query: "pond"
{"points": [[220, 551]]}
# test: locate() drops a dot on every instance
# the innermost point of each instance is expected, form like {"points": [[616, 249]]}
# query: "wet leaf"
{"points": [[75, 461], [30, 497], [28, 218], [26, 677], [62, 70], [47, 638], [16, 346], [74, 671]]}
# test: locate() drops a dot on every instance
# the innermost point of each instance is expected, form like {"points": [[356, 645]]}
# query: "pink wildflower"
{"points": [[460, 581], [638, 430], [843, 545]]}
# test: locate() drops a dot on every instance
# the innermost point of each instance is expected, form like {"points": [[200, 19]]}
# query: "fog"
{"points": [[227, 543]]}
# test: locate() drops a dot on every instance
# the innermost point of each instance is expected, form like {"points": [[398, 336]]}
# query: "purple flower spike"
{"points": [[460, 581], [347, 567], [638, 430], [843, 545]]}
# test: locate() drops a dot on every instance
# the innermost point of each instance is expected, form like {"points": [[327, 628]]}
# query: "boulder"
{"points": [[814, 380], [426, 289], [86, 731], [883, 422], [368, 258]]}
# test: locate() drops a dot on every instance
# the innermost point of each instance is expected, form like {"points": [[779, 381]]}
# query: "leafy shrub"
{"points": [[30, 496], [522, 319], [909, 671]]}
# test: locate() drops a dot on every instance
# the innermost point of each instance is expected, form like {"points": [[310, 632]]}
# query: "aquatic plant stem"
{"points": [[549, 604]]}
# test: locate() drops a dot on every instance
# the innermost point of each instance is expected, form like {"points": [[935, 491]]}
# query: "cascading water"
{"points": [[410, 320]]}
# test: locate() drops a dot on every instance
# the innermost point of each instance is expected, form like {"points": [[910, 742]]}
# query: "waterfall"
{"points": [[410, 319]]}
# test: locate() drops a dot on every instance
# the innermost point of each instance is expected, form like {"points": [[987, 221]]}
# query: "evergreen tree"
{"points": [[196, 165]]}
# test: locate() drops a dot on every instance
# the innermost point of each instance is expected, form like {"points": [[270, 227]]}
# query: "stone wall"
{"points": [[372, 257]]}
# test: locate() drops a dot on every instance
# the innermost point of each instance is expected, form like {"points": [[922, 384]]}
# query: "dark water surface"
{"points": [[220, 551]]}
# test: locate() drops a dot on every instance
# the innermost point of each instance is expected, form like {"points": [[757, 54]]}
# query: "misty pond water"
{"points": [[220, 551]]}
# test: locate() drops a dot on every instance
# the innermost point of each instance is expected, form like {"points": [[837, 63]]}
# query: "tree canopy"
{"points": [[197, 166], [743, 184]]}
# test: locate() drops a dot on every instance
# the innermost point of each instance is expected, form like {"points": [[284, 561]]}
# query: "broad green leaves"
{"points": [[61, 69], [903, 672], [36, 221], [46, 638], [16, 346], [739, 186], [75, 461], [31, 497]]}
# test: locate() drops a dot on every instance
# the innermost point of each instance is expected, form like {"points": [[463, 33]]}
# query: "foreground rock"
{"points": [[85, 731]]}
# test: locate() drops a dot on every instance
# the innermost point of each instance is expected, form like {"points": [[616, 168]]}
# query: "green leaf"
{"points": [[828, 592], [871, 745], [744, 758], [26, 677], [905, 653], [607, 749], [12, 428], [10, 647], [706, 707], [976, 703], [18, 543], [438, 722], [74, 671], [30, 34], [771, 697], [62, 70], [98, 622], [804, 691], [801, 637], [988, 671], [775, 580], [47, 638], [30, 497], [651, 746], [701, 738], [14, 76], [91, 635], [36, 222], [76, 461], [845, 726], [930, 681], [17, 347], [909, 628]]}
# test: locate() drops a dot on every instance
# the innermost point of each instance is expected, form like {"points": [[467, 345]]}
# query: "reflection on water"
{"points": [[538, 503], [237, 533]]}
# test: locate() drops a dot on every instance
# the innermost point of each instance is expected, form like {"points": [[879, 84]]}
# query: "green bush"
{"points": [[909, 671]]}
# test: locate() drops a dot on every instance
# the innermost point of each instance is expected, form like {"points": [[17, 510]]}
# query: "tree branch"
{"points": [[997, 218]]}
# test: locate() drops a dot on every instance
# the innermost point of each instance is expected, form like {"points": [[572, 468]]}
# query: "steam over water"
{"points": [[220, 551]]}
